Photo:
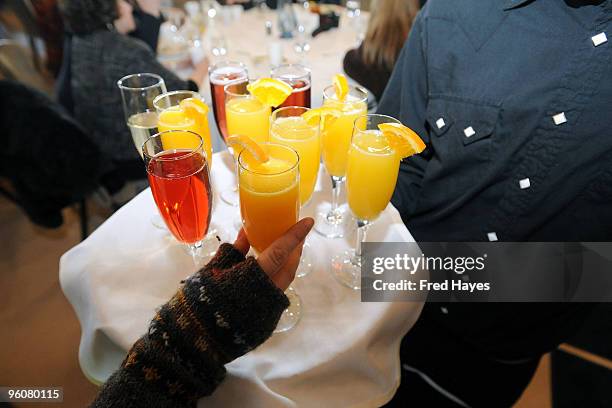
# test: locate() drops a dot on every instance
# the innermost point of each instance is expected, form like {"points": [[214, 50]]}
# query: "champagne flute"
{"points": [[137, 94], [178, 172], [289, 128], [336, 139], [172, 117], [271, 188], [245, 115], [372, 170], [219, 75]]}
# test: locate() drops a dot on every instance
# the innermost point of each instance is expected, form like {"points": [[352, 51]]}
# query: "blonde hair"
{"points": [[388, 28]]}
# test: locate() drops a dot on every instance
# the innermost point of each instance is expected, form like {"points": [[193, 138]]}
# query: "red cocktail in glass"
{"points": [[220, 75], [298, 76], [178, 173]]}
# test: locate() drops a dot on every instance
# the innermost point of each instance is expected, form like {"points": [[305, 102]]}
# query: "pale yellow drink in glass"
{"points": [[371, 175], [249, 117], [290, 129], [172, 117], [336, 138], [372, 170], [269, 194]]}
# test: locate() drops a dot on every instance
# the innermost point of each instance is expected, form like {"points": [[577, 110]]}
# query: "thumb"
{"points": [[275, 256]]}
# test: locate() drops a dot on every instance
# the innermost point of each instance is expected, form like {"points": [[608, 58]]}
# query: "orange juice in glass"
{"points": [[270, 205], [246, 115], [377, 147], [337, 137], [269, 194], [335, 142], [287, 127], [172, 116]]}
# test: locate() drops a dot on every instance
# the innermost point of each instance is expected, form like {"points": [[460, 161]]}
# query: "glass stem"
{"points": [[362, 229], [194, 250], [337, 183]]}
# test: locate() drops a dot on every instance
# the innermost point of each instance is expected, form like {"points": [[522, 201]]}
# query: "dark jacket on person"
{"points": [[372, 77], [48, 158], [513, 101], [220, 313]]}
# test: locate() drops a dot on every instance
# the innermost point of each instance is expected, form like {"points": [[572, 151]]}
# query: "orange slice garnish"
{"points": [[194, 109], [270, 92], [323, 115], [241, 142], [402, 139], [341, 86]]}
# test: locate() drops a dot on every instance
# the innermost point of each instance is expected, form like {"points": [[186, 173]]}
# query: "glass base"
{"points": [[305, 266], [230, 196], [346, 269], [210, 244], [204, 250], [291, 316], [332, 224]]}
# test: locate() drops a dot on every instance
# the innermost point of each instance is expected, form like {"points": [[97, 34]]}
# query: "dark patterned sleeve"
{"points": [[222, 312]]}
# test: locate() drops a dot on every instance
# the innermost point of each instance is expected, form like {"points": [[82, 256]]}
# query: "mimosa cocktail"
{"points": [[378, 145], [172, 115], [371, 176], [270, 205], [335, 141], [287, 127], [337, 137], [245, 114], [269, 188]]}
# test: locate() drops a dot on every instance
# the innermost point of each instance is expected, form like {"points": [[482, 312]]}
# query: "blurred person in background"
{"points": [[52, 31], [101, 53], [372, 62]]}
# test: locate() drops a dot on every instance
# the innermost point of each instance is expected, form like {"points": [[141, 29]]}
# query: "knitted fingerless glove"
{"points": [[223, 311]]}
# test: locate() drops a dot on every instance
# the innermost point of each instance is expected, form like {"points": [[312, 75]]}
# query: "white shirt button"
{"points": [[440, 123], [469, 131], [444, 310], [492, 236], [599, 39], [559, 118], [525, 183]]}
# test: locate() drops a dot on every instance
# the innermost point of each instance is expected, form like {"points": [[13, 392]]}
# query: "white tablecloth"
{"points": [[342, 352]]}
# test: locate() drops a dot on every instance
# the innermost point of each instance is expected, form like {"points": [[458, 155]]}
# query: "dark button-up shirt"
{"points": [[514, 101]]}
